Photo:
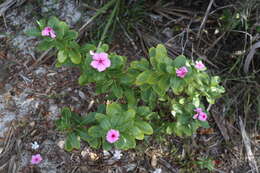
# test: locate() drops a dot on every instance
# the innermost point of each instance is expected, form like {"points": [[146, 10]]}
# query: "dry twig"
{"points": [[246, 140]]}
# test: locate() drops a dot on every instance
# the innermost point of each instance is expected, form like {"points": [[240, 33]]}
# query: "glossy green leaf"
{"points": [[113, 108], [145, 127], [75, 57], [83, 79], [99, 116], [96, 131], [137, 133], [143, 77], [62, 57], [72, 142], [117, 91], [179, 61], [105, 124]]}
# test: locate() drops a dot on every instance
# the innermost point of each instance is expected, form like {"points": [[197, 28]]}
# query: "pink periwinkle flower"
{"points": [[198, 110], [181, 72], [199, 65], [36, 159], [195, 116], [48, 31], [112, 136], [202, 116], [100, 61]]}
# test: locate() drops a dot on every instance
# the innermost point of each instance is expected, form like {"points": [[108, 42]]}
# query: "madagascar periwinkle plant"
{"points": [[167, 94]]}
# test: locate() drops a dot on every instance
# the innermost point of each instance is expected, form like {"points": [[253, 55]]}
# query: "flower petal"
{"points": [[94, 64], [101, 67]]}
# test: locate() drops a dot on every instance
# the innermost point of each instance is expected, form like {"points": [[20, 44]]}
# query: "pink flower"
{"points": [[181, 72], [48, 31], [36, 159], [195, 116], [100, 61], [202, 116], [199, 65], [198, 110], [112, 136]]}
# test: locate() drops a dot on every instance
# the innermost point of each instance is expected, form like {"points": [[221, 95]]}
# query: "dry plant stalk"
{"points": [[250, 155]]}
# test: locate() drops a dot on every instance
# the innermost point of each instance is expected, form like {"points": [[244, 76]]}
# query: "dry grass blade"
{"points": [[250, 56], [204, 20], [246, 140], [6, 157], [5, 6], [221, 123]]}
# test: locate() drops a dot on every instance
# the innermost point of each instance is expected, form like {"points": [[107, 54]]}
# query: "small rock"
{"points": [[61, 144], [130, 167], [82, 95], [84, 152], [1, 150], [93, 156], [157, 170], [40, 71], [154, 161], [32, 124]]}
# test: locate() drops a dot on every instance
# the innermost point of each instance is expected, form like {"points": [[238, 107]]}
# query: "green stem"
{"points": [[99, 11], [109, 22]]}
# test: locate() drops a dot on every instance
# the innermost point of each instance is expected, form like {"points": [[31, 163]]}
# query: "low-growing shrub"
{"points": [[159, 92]]}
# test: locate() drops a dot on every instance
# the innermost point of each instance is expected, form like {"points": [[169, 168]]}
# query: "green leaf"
{"points": [[88, 119], [87, 47], [161, 51], [141, 65], [143, 77], [83, 134], [101, 108], [41, 23], [258, 29], [152, 52], [125, 142], [106, 146], [204, 124], [143, 111], [83, 79], [177, 85], [113, 108], [44, 45], [129, 114], [62, 27], [164, 83], [117, 91], [94, 142], [62, 57], [68, 145], [96, 131], [104, 47], [137, 133], [196, 101], [53, 21], [75, 57], [99, 117], [72, 142], [145, 127], [105, 124], [130, 96], [158, 90], [71, 35], [117, 61], [179, 61]]}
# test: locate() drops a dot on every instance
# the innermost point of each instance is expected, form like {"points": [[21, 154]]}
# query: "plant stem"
{"points": [[109, 22], [99, 11]]}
